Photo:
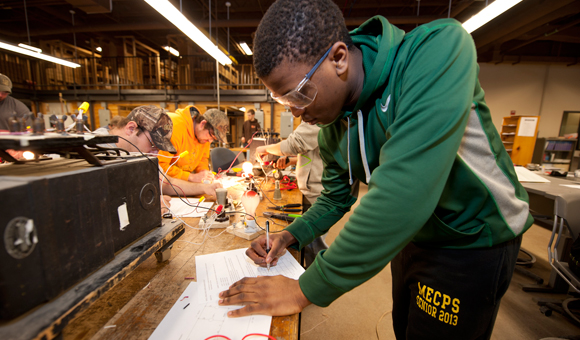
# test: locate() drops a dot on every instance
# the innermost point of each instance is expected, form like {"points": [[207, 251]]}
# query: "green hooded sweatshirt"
{"points": [[422, 138]]}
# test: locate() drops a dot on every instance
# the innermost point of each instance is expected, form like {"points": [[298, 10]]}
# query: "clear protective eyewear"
{"points": [[153, 146], [304, 94]]}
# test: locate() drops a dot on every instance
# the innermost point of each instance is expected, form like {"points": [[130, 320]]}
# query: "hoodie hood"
{"points": [[379, 42]]}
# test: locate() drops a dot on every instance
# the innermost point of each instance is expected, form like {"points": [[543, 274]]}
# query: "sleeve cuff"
{"points": [[316, 287], [301, 232]]}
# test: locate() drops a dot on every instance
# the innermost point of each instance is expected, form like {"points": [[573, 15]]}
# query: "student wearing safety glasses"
{"points": [[404, 113]]}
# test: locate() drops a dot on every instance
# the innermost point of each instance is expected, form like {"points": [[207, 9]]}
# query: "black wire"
{"points": [[191, 205], [163, 174]]}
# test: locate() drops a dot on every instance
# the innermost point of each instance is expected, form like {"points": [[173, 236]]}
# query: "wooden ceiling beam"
{"points": [[148, 25], [460, 7], [566, 37], [511, 59], [545, 35], [357, 6], [506, 29]]}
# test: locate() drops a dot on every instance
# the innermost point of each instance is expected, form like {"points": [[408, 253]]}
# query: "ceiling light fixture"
{"points": [[488, 13], [38, 55], [172, 14], [99, 49], [171, 50], [246, 48], [37, 50]]}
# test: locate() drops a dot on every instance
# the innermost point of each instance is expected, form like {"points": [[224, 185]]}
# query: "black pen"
{"points": [[267, 242], [186, 306]]}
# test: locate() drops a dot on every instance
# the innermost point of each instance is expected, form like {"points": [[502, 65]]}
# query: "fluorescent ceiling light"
{"points": [[243, 109], [99, 49], [488, 13], [171, 13], [246, 48], [38, 55], [37, 50], [171, 50]]}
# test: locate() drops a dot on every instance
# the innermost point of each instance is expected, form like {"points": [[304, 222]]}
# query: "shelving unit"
{"points": [[518, 134], [558, 152]]}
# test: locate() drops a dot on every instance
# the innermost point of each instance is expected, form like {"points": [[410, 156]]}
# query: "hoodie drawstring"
{"points": [[348, 150], [361, 138]]}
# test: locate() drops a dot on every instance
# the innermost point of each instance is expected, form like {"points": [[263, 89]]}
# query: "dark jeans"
{"points": [[310, 251], [450, 293]]}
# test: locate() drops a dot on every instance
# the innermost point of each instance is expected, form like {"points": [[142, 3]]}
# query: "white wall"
{"points": [[541, 90]]}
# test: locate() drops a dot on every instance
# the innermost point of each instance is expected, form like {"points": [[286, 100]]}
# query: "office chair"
{"points": [[222, 158], [565, 209], [569, 306]]}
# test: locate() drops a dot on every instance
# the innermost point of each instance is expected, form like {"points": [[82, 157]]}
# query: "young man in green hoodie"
{"points": [[405, 114]]}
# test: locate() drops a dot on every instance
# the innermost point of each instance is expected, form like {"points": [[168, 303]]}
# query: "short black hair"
{"points": [[297, 31]]}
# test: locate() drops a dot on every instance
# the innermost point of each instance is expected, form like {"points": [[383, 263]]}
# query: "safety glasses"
{"points": [[153, 146], [210, 130], [304, 94]]}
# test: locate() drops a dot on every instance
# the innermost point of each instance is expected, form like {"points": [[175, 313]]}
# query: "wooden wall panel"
{"points": [[124, 108]]}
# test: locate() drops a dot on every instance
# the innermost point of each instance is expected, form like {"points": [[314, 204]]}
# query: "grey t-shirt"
{"points": [[7, 108]]}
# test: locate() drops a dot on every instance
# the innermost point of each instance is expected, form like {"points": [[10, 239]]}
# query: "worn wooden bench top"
{"points": [[145, 297]]}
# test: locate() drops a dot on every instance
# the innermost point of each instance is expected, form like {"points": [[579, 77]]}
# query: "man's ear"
{"points": [[202, 124], [339, 55], [130, 128]]}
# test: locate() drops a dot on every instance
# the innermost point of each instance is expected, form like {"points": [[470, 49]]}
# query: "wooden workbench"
{"points": [[151, 300], [48, 320]]}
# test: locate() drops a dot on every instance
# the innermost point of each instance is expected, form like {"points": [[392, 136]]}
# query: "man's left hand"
{"points": [[267, 295], [204, 176]]}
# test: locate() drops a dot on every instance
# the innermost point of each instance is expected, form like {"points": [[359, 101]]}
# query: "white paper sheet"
{"points": [[575, 186], [527, 126], [525, 175], [216, 272], [180, 209], [199, 321]]}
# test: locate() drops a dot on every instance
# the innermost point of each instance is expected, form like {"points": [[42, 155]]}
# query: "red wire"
{"points": [[247, 335], [183, 192], [238, 155], [258, 334], [219, 336]]}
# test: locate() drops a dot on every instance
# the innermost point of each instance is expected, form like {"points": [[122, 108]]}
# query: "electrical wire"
{"points": [[217, 336], [162, 173], [205, 229], [378, 322], [258, 334], [238, 155]]}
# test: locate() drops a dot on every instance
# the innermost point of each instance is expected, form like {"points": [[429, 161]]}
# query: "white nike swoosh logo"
{"points": [[385, 107]]}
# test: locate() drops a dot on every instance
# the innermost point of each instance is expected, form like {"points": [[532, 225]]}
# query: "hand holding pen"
{"points": [[276, 245], [267, 242]]}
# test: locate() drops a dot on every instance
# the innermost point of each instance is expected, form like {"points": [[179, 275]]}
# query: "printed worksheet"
{"points": [[190, 319], [216, 272], [180, 209]]}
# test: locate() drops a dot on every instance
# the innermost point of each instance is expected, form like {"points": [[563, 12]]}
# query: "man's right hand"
{"points": [[261, 150], [209, 189], [278, 244]]}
